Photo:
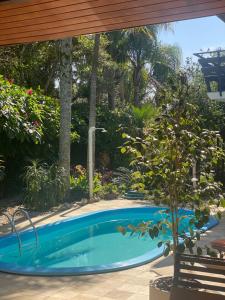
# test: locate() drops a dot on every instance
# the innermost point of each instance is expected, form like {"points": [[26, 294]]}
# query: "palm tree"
{"points": [[65, 105], [137, 46], [167, 62], [115, 72], [141, 49]]}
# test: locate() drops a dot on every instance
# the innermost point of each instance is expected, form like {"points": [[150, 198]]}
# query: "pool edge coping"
{"points": [[99, 269]]}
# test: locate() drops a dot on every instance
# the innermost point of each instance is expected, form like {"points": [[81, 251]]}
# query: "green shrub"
{"points": [[107, 145], [122, 177], [144, 114], [103, 189], [29, 125], [78, 183], [104, 184], [110, 189], [27, 117], [44, 186]]}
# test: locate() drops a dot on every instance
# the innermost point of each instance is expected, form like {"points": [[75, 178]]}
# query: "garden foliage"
{"points": [[105, 183], [29, 123], [45, 187]]}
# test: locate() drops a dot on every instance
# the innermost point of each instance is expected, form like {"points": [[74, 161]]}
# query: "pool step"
{"points": [[133, 195]]}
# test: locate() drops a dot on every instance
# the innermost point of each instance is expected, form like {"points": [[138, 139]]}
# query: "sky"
{"points": [[195, 35]]}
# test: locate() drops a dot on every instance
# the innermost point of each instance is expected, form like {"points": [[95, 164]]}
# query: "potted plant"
{"points": [[175, 162]]}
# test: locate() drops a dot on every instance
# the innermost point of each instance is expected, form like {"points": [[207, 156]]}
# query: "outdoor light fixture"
{"points": [[90, 158], [213, 69]]}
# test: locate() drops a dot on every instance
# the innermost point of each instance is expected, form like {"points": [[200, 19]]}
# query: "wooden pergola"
{"points": [[222, 17], [24, 21], [213, 69]]}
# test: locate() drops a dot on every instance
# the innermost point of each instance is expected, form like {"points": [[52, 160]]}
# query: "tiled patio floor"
{"points": [[130, 284]]}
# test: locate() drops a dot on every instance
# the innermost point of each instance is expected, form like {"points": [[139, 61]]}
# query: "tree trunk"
{"points": [[122, 89], [111, 99], [93, 91], [65, 94], [137, 82], [110, 82]]}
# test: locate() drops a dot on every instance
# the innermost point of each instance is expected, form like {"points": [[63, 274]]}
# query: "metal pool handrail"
{"points": [[9, 219], [13, 228], [25, 213]]}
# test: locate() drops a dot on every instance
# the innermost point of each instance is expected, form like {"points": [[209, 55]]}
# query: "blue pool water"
{"points": [[84, 245]]}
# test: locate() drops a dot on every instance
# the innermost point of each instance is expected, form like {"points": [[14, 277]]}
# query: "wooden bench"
{"points": [[198, 277]]}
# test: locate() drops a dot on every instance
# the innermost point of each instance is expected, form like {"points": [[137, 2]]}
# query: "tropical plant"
{"points": [[141, 47], [137, 56], [79, 183], [104, 184], [144, 114], [122, 176], [164, 158], [44, 186], [167, 62]]}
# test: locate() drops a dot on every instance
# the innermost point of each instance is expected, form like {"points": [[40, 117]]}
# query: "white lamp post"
{"points": [[90, 158]]}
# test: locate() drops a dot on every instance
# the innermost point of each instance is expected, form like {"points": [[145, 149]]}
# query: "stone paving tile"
{"points": [[138, 281], [26, 295], [139, 297], [132, 284], [118, 294], [89, 297], [71, 297], [133, 288]]}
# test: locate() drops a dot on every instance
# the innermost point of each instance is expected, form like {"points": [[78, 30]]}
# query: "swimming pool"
{"points": [[86, 244]]}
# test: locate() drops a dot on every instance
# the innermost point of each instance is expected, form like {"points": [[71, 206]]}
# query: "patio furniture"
{"points": [[197, 277]]}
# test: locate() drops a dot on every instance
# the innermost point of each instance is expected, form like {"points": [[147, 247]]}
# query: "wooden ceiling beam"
{"points": [[33, 20], [101, 12]]}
